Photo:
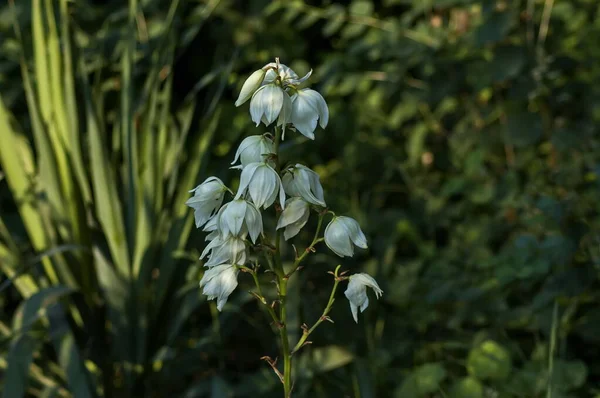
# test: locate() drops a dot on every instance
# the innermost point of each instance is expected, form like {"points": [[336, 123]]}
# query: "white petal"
{"points": [[251, 84], [254, 222], [337, 239], [257, 108], [285, 116], [233, 217], [294, 210], [293, 229], [304, 116], [354, 310], [245, 144], [262, 185], [354, 231], [246, 177]]}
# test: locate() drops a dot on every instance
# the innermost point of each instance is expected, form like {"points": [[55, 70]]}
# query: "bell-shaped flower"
{"points": [[357, 292], [225, 250], [253, 149], [219, 282], [342, 233], [308, 106], [294, 217], [207, 198], [211, 228], [267, 103], [305, 183], [239, 218], [251, 84], [263, 184]]}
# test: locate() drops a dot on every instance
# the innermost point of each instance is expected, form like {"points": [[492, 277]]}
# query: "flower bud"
{"points": [[294, 217], [262, 183], [308, 106], [357, 292], [254, 149], [219, 282], [251, 84], [340, 235], [207, 198], [238, 218], [305, 183], [230, 250]]}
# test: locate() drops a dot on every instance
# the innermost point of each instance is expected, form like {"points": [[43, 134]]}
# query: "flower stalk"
{"points": [[236, 232]]}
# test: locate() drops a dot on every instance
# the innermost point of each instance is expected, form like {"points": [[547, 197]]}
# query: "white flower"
{"points": [[302, 181], [308, 106], [229, 249], [238, 218], [294, 217], [357, 292], [267, 102], [341, 233], [251, 84], [262, 183], [219, 282], [207, 198], [253, 149], [211, 226]]}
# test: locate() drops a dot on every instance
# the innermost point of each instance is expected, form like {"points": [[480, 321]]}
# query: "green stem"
{"points": [[324, 316], [310, 247]]}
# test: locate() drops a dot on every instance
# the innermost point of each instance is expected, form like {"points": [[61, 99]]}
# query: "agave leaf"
{"points": [[19, 358]]}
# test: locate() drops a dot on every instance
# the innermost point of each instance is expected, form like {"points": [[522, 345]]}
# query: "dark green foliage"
{"points": [[463, 137]]}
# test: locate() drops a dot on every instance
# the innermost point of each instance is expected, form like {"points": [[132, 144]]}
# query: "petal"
{"points": [[257, 108], [251, 84], [253, 222], [304, 116], [336, 238], [354, 310], [232, 218], [245, 144], [300, 80], [285, 115], [246, 177], [293, 229], [295, 208], [354, 231], [228, 283], [272, 100], [262, 185]]}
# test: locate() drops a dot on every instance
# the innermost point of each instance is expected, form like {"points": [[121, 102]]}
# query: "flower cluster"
{"points": [[237, 225], [274, 96]]}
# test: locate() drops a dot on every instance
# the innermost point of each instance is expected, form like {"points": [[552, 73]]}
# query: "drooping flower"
{"points": [[294, 217], [267, 103], [342, 233], [239, 218], [207, 198], [262, 183], [219, 282], [225, 250], [253, 149], [357, 292], [251, 84], [308, 106], [301, 181]]}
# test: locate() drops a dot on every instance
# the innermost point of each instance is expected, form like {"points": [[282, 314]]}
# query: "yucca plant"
{"points": [[99, 190]]}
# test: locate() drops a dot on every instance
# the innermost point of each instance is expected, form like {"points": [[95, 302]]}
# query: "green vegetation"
{"points": [[463, 137]]}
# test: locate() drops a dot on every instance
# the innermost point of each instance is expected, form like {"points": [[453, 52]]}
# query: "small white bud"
{"points": [[301, 181], [254, 149], [207, 198], [308, 106], [251, 84], [294, 217], [357, 292], [340, 235], [262, 183], [219, 282]]}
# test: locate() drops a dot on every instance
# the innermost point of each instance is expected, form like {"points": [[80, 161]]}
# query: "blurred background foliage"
{"points": [[463, 136]]}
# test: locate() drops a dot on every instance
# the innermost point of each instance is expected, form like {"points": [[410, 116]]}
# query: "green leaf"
{"points": [[489, 361], [522, 128], [19, 358], [466, 388], [329, 358], [494, 28]]}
